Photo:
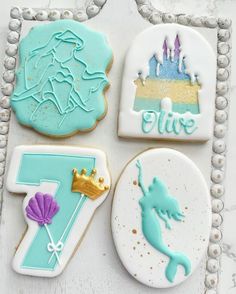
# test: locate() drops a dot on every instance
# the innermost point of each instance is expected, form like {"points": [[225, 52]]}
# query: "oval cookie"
{"points": [[61, 78], [161, 217]]}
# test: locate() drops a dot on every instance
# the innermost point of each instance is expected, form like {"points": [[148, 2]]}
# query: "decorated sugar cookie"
{"points": [[61, 78], [168, 86], [161, 217], [63, 186]]}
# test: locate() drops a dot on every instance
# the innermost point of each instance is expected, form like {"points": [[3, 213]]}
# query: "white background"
{"points": [[96, 268]]}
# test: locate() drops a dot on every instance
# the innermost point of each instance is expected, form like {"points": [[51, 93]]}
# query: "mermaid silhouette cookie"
{"points": [[157, 201]]}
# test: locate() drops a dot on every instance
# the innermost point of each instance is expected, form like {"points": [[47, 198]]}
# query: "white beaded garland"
{"points": [[7, 89], [214, 250], [222, 88], [210, 22], [66, 14], [217, 190], [221, 116], [218, 160], [92, 10], [15, 12], [2, 155], [11, 50], [5, 102], [219, 146], [215, 235], [211, 280], [213, 265], [99, 3], [2, 144], [216, 219], [217, 176], [80, 15], [217, 205], [168, 18], [13, 37], [28, 13], [10, 62], [222, 61], [41, 15], [222, 74], [223, 35], [224, 23], [221, 102], [4, 114], [9, 76], [183, 19], [3, 128], [220, 131], [155, 18], [14, 24], [223, 48], [196, 21], [54, 15]]}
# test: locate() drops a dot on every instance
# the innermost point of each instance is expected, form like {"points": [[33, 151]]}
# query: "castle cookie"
{"points": [[63, 186], [61, 78], [168, 85], [161, 217]]}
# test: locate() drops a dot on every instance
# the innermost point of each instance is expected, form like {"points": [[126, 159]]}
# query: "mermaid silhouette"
{"points": [[156, 201]]}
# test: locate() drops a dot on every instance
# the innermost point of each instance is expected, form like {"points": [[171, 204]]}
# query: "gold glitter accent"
{"points": [[87, 185]]}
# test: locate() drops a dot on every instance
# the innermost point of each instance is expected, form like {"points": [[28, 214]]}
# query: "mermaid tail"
{"points": [[177, 259]]}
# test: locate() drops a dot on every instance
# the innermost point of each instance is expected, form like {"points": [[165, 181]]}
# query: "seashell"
{"points": [[42, 208]]}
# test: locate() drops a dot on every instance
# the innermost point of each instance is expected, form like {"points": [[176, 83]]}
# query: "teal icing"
{"points": [[165, 122], [61, 78], [157, 201], [36, 168]]}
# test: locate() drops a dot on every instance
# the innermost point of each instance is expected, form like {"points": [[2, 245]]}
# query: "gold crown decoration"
{"points": [[87, 185]]}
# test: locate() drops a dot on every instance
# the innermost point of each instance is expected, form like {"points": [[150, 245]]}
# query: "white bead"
{"points": [[223, 35], [222, 74], [145, 10], [218, 160], [66, 14], [10, 62], [211, 280], [2, 165], [156, 18], [224, 23], [100, 3], [168, 18], [7, 89], [221, 116], [80, 15], [196, 21], [11, 49], [9, 76], [221, 102], [4, 115], [54, 15], [215, 235], [2, 155], [15, 12], [217, 176], [223, 48], [28, 13], [219, 146], [214, 250], [216, 219], [222, 61], [41, 15], [5, 102], [184, 19], [222, 88], [213, 265], [13, 37], [220, 131], [14, 24], [210, 22], [3, 143], [217, 190], [92, 10], [217, 205], [3, 128]]}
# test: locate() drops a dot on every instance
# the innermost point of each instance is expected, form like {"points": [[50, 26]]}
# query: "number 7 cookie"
{"points": [[62, 194]]}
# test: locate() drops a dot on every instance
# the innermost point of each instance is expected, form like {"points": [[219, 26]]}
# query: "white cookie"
{"points": [[161, 217], [59, 202], [168, 86]]}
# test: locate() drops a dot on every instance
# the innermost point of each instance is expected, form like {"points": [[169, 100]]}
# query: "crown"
{"points": [[87, 185]]}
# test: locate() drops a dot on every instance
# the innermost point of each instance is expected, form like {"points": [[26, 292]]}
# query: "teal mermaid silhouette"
{"points": [[156, 201]]}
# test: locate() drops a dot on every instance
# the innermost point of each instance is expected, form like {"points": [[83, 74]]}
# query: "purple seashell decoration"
{"points": [[42, 208], [165, 48], [177, 47]]}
